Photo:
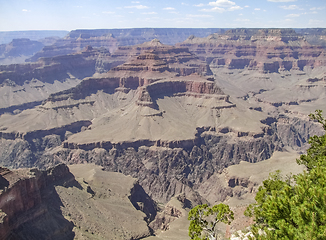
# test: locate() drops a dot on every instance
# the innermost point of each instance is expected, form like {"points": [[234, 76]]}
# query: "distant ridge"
{"points": [[8, 36], [166, 35]]}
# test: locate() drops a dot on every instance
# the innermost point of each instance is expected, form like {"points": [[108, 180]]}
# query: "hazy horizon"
{"points": [[23, 15]]}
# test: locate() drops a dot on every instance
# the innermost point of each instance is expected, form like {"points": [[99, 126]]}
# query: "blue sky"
{"points": [[92, 14]]}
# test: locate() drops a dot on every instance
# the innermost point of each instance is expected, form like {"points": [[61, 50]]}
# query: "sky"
{"points": [[105, 14]]}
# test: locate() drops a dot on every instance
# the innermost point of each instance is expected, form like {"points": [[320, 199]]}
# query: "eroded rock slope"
{"points": [[159, 117], [55, 204]]}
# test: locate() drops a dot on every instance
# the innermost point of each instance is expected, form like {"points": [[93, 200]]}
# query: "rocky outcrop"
{"points": [[36, 204], [193, 86], [158, 63], [73, 128], [156, 56], [106, 205], [29, 202], [266, 50]]}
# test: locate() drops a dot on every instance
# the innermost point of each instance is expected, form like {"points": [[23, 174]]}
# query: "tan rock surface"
{"points": [[102, 210]]}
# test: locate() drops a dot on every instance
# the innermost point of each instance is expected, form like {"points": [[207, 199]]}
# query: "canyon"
{"points": [[175, 124]]}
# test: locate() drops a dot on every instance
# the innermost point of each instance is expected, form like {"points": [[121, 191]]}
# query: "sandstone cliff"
{"points": [[52, 204], [266, 50]]}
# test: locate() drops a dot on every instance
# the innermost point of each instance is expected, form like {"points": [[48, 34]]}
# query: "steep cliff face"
{"points": [[30, 205], [166, 169], [266, 50], [37, 204]]}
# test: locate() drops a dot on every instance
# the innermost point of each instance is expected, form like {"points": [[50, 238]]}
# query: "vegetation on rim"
{"points": [[294, 207]]}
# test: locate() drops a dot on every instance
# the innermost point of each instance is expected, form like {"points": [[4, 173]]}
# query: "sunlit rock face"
{"points": [[265, 50]]}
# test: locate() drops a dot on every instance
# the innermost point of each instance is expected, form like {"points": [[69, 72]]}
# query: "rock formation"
{"points": [[19, 47], [158, 117], [30, 206], [267, 50], [26, 85], [111, 39], [171, 117], [55, 204]]}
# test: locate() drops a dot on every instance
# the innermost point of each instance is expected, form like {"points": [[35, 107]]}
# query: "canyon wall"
{"points": [[30, 205], [266, 50], [51, 204]]}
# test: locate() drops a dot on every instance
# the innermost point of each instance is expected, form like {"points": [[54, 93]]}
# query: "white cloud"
{"points": [[234, 8], [137, 7], [290, 7], [199, 16], [169, 8], [25, 10], [281, 0], [293, 15], [135, 2], [316, 8], [257, 9], [246, 6], [149, 13], [221, 3], [215, 9], [222, 6], [185, 4], [199, 5]]}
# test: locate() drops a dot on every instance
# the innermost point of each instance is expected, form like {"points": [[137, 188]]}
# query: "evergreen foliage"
{"points": [[203, 220], [295, 207]]}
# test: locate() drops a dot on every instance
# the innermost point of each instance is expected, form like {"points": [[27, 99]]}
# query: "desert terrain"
{"points": [[106, 137]]}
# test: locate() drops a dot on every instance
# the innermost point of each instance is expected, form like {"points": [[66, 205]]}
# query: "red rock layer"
{"points": [[267, 50], [23, 199]]}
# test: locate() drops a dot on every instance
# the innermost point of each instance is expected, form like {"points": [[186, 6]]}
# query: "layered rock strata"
{"points": [[25, 85], [111, 39], [159, 117], [266, 50]]}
